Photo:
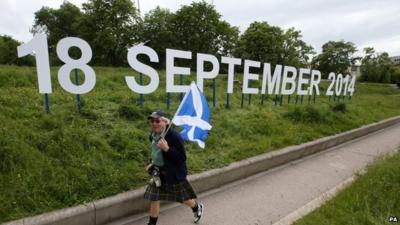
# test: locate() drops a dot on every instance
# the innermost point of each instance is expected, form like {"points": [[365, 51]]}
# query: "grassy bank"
{"points": [[371, 199], [64, 158]]}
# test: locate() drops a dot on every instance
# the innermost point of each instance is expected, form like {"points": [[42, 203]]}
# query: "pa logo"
{"points": [[393, 219]]}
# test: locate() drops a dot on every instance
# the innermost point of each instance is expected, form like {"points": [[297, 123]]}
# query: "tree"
{"points": [[266, 43], [157, 31], [376, 67], [262, 42], [227, 39], [199, 28], [8, 52], [57, 24], [395, 78], [110, 27], [336, 57], [295, 51]]}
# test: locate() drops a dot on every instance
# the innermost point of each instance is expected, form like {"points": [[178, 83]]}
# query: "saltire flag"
{"points": [[193, 115]]}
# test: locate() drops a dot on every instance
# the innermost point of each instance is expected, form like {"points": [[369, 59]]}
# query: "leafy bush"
{"points": [[130, 112], [377, 67], [340, 107], [308, 114], [8, 53]]}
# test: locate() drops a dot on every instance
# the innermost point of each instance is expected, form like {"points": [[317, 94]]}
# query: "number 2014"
{"points": [[337, 82]]}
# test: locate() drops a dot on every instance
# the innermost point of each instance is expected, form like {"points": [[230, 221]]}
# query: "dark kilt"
{"points": [[179, 192]]}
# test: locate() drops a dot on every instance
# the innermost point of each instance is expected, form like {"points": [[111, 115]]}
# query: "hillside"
{"points": [[64, 158]]}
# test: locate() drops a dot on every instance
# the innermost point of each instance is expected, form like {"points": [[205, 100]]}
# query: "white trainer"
{"points": [[197, 215]]}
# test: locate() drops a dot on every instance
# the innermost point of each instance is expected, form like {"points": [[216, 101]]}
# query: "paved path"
{"points": [[267, 197]]}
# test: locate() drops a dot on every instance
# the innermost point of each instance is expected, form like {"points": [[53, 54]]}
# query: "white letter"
{"points": [[133, 52], [315, 83], [302, 80], [231, 70], [273, 82], [249, 76], [172, 69], [201, 74], [291, 80]]}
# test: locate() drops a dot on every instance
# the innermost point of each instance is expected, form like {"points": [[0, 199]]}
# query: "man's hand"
{"points": [[148, 167], [163, 145]]}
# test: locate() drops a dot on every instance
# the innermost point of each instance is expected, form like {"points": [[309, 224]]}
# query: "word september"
{"points": [[285, 80]]}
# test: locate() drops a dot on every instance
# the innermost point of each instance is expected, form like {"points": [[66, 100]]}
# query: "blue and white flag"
{"points": [[193, 115]]}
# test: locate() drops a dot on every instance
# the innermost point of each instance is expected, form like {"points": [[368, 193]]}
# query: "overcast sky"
{"points": [[373, 23]]}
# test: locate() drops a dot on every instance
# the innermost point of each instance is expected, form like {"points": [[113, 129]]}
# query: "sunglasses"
{"points": [[154, 121]]}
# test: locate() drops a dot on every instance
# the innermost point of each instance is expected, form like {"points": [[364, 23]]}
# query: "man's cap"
{"points": [[157, 114]]}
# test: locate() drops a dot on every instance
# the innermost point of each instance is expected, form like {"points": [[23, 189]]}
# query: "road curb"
{"points": [[125, 204]]}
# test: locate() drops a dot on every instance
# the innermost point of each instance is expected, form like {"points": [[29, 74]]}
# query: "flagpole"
{"points": [[166, 131]]}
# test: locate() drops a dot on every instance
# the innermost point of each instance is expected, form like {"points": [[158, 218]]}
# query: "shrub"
{"points": [[129, 112], [88, 114], [340, 107], [309, 114]]}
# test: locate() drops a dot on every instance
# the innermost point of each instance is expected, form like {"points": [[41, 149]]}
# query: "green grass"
{"points": [[371, 199], [51, 161]]}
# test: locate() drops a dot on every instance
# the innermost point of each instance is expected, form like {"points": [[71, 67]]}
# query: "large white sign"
{"points": [[284, 80]]}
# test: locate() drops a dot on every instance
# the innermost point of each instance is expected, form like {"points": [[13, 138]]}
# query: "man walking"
{"points": [[168, 168]]}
